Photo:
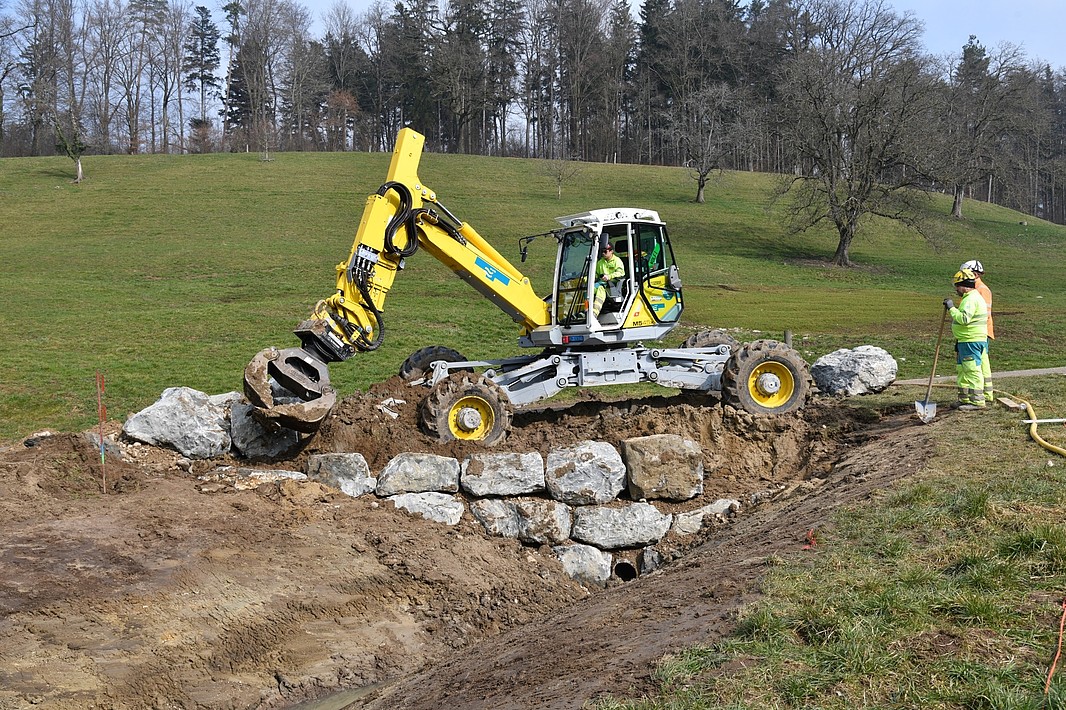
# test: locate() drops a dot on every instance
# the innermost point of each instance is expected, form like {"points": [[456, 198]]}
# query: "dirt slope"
{"points": [[167, 592], [609, 644]]}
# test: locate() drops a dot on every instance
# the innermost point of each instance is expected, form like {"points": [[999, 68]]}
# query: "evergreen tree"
{"points": [[409, 57], [202, 59]]}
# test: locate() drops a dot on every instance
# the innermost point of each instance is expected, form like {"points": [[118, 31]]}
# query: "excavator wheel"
{"points": [[766, 377], [710, 338], [467, 407], [416, 366]]}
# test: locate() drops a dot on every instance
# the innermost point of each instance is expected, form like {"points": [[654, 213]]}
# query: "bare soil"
{"points": [[138, 585]]}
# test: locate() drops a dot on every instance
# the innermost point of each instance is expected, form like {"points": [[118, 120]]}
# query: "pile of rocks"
{"points": [[589, 502]]}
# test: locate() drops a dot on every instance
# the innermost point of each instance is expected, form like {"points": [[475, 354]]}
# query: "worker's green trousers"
{"points": [[969, 371], [986, 372], [599, 296]]}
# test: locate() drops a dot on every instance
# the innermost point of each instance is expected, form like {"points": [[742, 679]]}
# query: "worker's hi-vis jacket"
{"points": [[986, 294], [969, 321], [610, 269]]}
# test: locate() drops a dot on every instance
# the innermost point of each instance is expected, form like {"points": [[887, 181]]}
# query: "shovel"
{"points": [[927, 410]]}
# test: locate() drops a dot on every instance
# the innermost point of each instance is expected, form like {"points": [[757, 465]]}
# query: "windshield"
{"points": [[572, 301]]}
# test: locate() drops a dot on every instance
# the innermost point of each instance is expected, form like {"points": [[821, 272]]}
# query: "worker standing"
{"points": [[969, 325], [986, 364], [608, 268]]}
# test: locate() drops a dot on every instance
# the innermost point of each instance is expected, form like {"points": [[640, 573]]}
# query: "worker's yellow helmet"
{"points": [[964, 277]]}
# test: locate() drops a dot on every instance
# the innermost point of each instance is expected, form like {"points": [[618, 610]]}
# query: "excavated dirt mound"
{"points": [[167, 592]]}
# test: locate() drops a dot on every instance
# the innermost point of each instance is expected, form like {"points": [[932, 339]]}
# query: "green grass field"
{"points": [[162, 271], [943, 592]]}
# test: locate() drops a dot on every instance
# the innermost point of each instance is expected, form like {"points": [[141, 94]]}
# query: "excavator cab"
{"points": [[645, 303]]}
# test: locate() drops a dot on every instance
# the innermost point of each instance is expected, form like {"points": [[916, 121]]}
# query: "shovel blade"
{"points": [[926, 411]]}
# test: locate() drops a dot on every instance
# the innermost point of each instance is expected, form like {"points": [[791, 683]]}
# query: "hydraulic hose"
{"points": [[379, 332], [405, 216]]}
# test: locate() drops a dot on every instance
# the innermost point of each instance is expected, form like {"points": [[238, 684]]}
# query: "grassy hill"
{"points": [[162, 270]]}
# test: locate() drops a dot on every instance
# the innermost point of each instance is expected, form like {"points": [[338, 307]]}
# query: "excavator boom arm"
{"points": [[401, 217]]}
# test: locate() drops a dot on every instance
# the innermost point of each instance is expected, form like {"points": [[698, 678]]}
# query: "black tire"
{"points": [[416, 366], [467, 407], [710, 338], [766, 377]]}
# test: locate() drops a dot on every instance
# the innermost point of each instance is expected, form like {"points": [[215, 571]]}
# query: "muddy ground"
{"points": [[169, 592]]}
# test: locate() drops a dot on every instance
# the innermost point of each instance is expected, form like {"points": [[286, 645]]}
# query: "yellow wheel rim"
{"points": [[771, 384], [471, 418]]}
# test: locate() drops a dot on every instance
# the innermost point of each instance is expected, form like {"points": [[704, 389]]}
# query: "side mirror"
{"points": [[674, 278]]}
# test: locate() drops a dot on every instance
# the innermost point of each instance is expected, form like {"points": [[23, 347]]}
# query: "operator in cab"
{"points": [[608, 268]]}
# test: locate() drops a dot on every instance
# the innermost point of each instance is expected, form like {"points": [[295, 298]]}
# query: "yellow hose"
{"points": [[1032, 427]]}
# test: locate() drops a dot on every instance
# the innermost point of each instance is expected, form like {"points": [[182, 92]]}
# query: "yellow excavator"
{"points": [[586, 332]]}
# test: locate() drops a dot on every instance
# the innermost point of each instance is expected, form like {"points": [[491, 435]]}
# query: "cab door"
{"points": [[572, 285], [659, 280]]}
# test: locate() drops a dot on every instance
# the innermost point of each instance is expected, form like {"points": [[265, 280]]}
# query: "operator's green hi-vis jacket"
{"points": [[969, 321]]}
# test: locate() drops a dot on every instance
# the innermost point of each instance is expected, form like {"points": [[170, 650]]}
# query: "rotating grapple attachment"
{"points": [[306, 397]]}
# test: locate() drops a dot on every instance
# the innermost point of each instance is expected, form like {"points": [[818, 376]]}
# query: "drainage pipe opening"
{"points": [[625, 570]]}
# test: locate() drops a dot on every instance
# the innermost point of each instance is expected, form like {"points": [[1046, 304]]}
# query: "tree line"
{"points": [[836, 95]]}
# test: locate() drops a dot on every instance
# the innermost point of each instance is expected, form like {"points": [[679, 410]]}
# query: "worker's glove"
{"points": [[948, 304]]}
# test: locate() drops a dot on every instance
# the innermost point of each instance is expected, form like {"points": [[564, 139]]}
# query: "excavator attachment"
{"points": [[305, 396]]}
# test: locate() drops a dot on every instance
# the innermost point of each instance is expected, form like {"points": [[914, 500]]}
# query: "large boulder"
{"points": [[502, 474], [589, 473], [542, 521], [585, 563], [254, 441], [497, 516], [418, 473], [692, 521], [348, 472], [439, 507], [663, 466], [183, 419], [866, 369], [612, 528]]}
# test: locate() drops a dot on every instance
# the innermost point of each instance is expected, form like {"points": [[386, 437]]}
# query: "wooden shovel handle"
{"points": [[936, 354]]}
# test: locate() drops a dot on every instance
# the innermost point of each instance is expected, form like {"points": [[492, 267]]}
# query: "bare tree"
{"points": [[346, 42], [104, 28], [581, 69], [305, 84], [134, 76], [8, 32], [534, 38], [978, 107], [70, 143], [460, 68], [619, 57], [378, 38], [173, 36], [261, 50], [561, 171], [705, 134], [855, 102], [38, 60]]}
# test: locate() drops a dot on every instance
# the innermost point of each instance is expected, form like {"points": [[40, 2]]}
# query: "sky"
{"points": [[1038, 26]]}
